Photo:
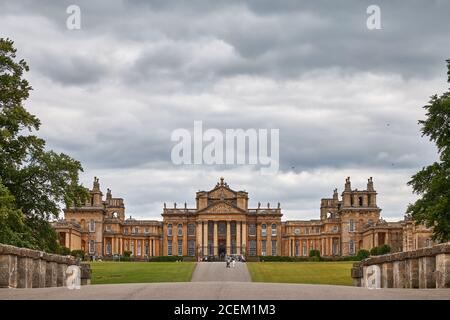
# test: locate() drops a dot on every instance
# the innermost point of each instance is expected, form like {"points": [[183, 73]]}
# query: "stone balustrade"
{"points": [[26, 268], [423, 268]]}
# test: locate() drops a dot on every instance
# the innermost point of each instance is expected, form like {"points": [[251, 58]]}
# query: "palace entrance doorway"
{"points": [[222, 249]]}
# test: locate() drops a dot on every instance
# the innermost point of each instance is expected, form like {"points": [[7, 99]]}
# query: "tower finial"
{"points": [[221, 180]]}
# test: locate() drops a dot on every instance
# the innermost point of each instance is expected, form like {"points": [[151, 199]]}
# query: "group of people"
{"points": [[231, 262]]}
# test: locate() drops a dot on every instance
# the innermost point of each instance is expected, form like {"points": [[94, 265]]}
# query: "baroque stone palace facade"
{"points": [[222, 223]]}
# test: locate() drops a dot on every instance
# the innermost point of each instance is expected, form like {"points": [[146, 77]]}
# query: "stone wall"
{"points": [[423, 268], [26, 268]]}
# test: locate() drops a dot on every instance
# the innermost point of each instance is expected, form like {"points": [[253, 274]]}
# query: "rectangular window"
{"points": [[274, 247], [180, 230], [252, 248], [352, 225], [263, 247], [132, 248], [305, 252], [91, 246], [147, 230], [180, 247], [263, 230], [191, 229], [136, 230], [169, 247], [297, 248], [125, 231], [274, 230], [146, 247], [108, 248], [92, 226], [252, 230], [351, 248], [191, 248], [169, 230]]}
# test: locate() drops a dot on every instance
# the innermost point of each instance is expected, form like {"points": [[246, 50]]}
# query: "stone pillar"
{"points": [[24, 272], [8, 271], [238, 237], [399, 274], [216, 240], [387, 275], [198, 238], [228, 238], [244, 238], [205, 238], [39, 267], [443, 270], [412, 273], [51, 274], [427, 267], [61, 274]]}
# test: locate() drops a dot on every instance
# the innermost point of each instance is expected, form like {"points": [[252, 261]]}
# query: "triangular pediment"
{"points": [[222, 192], [221, 207]]}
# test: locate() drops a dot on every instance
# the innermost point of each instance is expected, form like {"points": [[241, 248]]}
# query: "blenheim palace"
{"points": [[222, 223]]}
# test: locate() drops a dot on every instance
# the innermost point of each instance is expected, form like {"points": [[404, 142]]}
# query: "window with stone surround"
{"points": [[263, 230], [252, 244], [191, 248], [263, 247], [274, 247], [169, 247], [180, 230], [180, 247], [139, 248], [191, 229], [274, 230], [91, 246], [252, 229], [351, 247], [92, 226], [169, 230], [351, 227]]}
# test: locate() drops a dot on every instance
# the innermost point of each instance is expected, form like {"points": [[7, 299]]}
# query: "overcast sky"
{"points": [[346, 99]]}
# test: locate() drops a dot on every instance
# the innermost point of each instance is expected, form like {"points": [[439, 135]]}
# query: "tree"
{"points": [[38, 180], [432, 183]]}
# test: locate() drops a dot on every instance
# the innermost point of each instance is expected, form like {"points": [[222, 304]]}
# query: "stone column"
{"points": [[238, 237], [387, 275], [216, 240], [399, 274], [205, 238], [443, 270], [427, 267], [39, 267], [51, 274], [412, 273], [198, 238], [244, 238], [228, 238], [8, 271], [61, 274], [24, 272]]}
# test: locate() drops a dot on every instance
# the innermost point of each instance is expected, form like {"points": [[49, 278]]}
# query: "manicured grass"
{"points": [[337, 273], [135, 272]]}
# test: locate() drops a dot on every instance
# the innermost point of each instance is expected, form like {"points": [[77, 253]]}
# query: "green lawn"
{"points": [[134, 272], [337, 273]]}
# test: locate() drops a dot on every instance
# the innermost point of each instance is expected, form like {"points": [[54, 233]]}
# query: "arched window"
{"points": [[169, 229], [263, 230], [274, 229], [180, 230]]}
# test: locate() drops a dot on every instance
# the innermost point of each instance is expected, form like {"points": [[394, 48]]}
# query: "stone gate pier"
{"points": [[26, 268], [423, 268]]}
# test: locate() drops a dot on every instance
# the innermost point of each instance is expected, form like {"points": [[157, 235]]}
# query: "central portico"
{"points": [[221, 224]]}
